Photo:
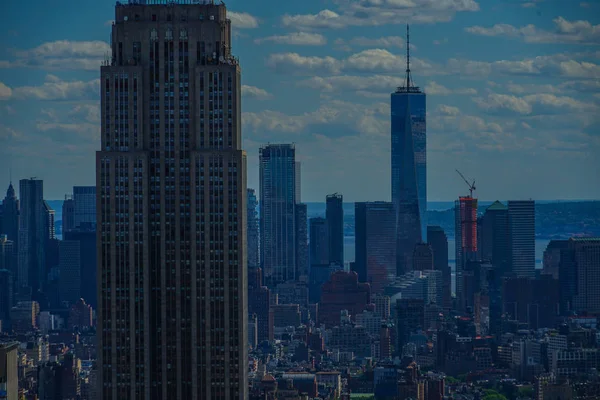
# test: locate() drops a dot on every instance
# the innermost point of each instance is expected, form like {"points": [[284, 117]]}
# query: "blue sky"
{"points": [[513, 92]]}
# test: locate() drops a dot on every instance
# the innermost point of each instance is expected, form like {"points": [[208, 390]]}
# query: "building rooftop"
{"points": [[586, 239], [497, 206]]}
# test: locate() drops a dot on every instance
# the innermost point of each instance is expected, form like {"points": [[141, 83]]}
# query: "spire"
{"points": [[10, 193], [409, 86]]}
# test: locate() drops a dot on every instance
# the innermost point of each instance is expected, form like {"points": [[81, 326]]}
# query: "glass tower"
{"points": [[409, 167]]}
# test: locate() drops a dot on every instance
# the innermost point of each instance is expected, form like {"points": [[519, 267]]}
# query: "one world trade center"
{"points": [[409, 166]]}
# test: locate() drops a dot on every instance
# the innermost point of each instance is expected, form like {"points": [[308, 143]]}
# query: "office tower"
{"points": [[80, 315], [10, 216], [277, 212], [579, 276], [84, 198], [410, 317], [23, 316], [552, 257], [436, 237], [521, 223], [9, 370], [319, 242], [301, 224], [33, 231], [70, 272], [465, 214], [8, 267], [495, 245], [259, 302], [87, 262], [335, 221], [171, 196], [382, 306], [375, 247], [253, 235], [409, 166], [531, 301], [422, 257], [343, 291], [68, 214]]}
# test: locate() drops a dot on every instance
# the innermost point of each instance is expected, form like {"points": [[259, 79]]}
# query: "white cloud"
{"points": [[294, 62], [381, 42], [582, 32], [340, 83], [242, 20], [5, 91], [253, 92], [380, 12], [61, 54], [56, 89], [541, 103], [297, 38], [434, 88], [448, 110]]}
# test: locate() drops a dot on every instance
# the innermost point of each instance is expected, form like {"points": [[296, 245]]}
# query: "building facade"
{"points": [[437, 239], [335, 222], [375, 237], [495, 245], [10, 216], [277, 172], [302, 257], [521, 222], [253, 230], [465, 214], [171, 207]]}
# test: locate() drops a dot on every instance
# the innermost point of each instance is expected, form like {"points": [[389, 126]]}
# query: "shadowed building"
{"points": [[343, 292], [171, 207], [521, 222], [465, 214], [436, 237], [335, 223], [253, 232]]}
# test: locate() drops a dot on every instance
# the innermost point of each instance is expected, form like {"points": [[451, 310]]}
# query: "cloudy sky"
{"points": [[513, 91]]}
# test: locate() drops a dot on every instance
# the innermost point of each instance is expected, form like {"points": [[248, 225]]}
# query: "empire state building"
{"points": [[171, 207]]}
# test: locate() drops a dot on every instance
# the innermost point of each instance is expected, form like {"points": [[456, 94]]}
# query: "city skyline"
{"points": [[520, 100]]}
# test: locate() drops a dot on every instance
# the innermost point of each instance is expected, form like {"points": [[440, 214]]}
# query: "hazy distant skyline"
{"points": [[513, 92]]}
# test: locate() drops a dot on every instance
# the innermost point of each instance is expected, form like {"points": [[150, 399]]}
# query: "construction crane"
{"points": [[471, 185]]}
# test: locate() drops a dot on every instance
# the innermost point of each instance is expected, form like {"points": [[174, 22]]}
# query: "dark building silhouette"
{"points": [[552, 257], [343, 292], [375, 244], [277, 170], [532, 301], [259, 302], [302, 257], [335, 222], [436, 237], [69, 264], [495, 245], [80, 315], [422, 257], [171, 196], [579, 276], [68, 214], [410, 317], [253, 231], [319, 257], [521, 223], [87, 262]]}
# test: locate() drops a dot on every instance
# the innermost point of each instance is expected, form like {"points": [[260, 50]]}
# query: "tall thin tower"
{"points": [[171, 207], [409, 165]]}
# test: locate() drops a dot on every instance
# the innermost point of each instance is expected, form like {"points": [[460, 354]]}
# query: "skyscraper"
{"points": [[171, 195], [437, 239], [33, 231], [335, 222], [521, 222], [68, 214], [302, 262], [277, 212], [69, 265], [319, 257], [84, 213], [465, 214], [253, 232], [10, 216], [409, 166], [580, 275], [375, 244], [495, 246]]}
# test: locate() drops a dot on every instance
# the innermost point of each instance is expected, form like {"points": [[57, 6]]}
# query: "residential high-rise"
{"points": [[277, 212], [521, 223], [302, 258], [33, 231], [465, 214], [253, 232], [495, 245], [409, 166], [171, 197], [375, 247], [84, 212], [10, 216], [437, 239], [335, 222]]}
